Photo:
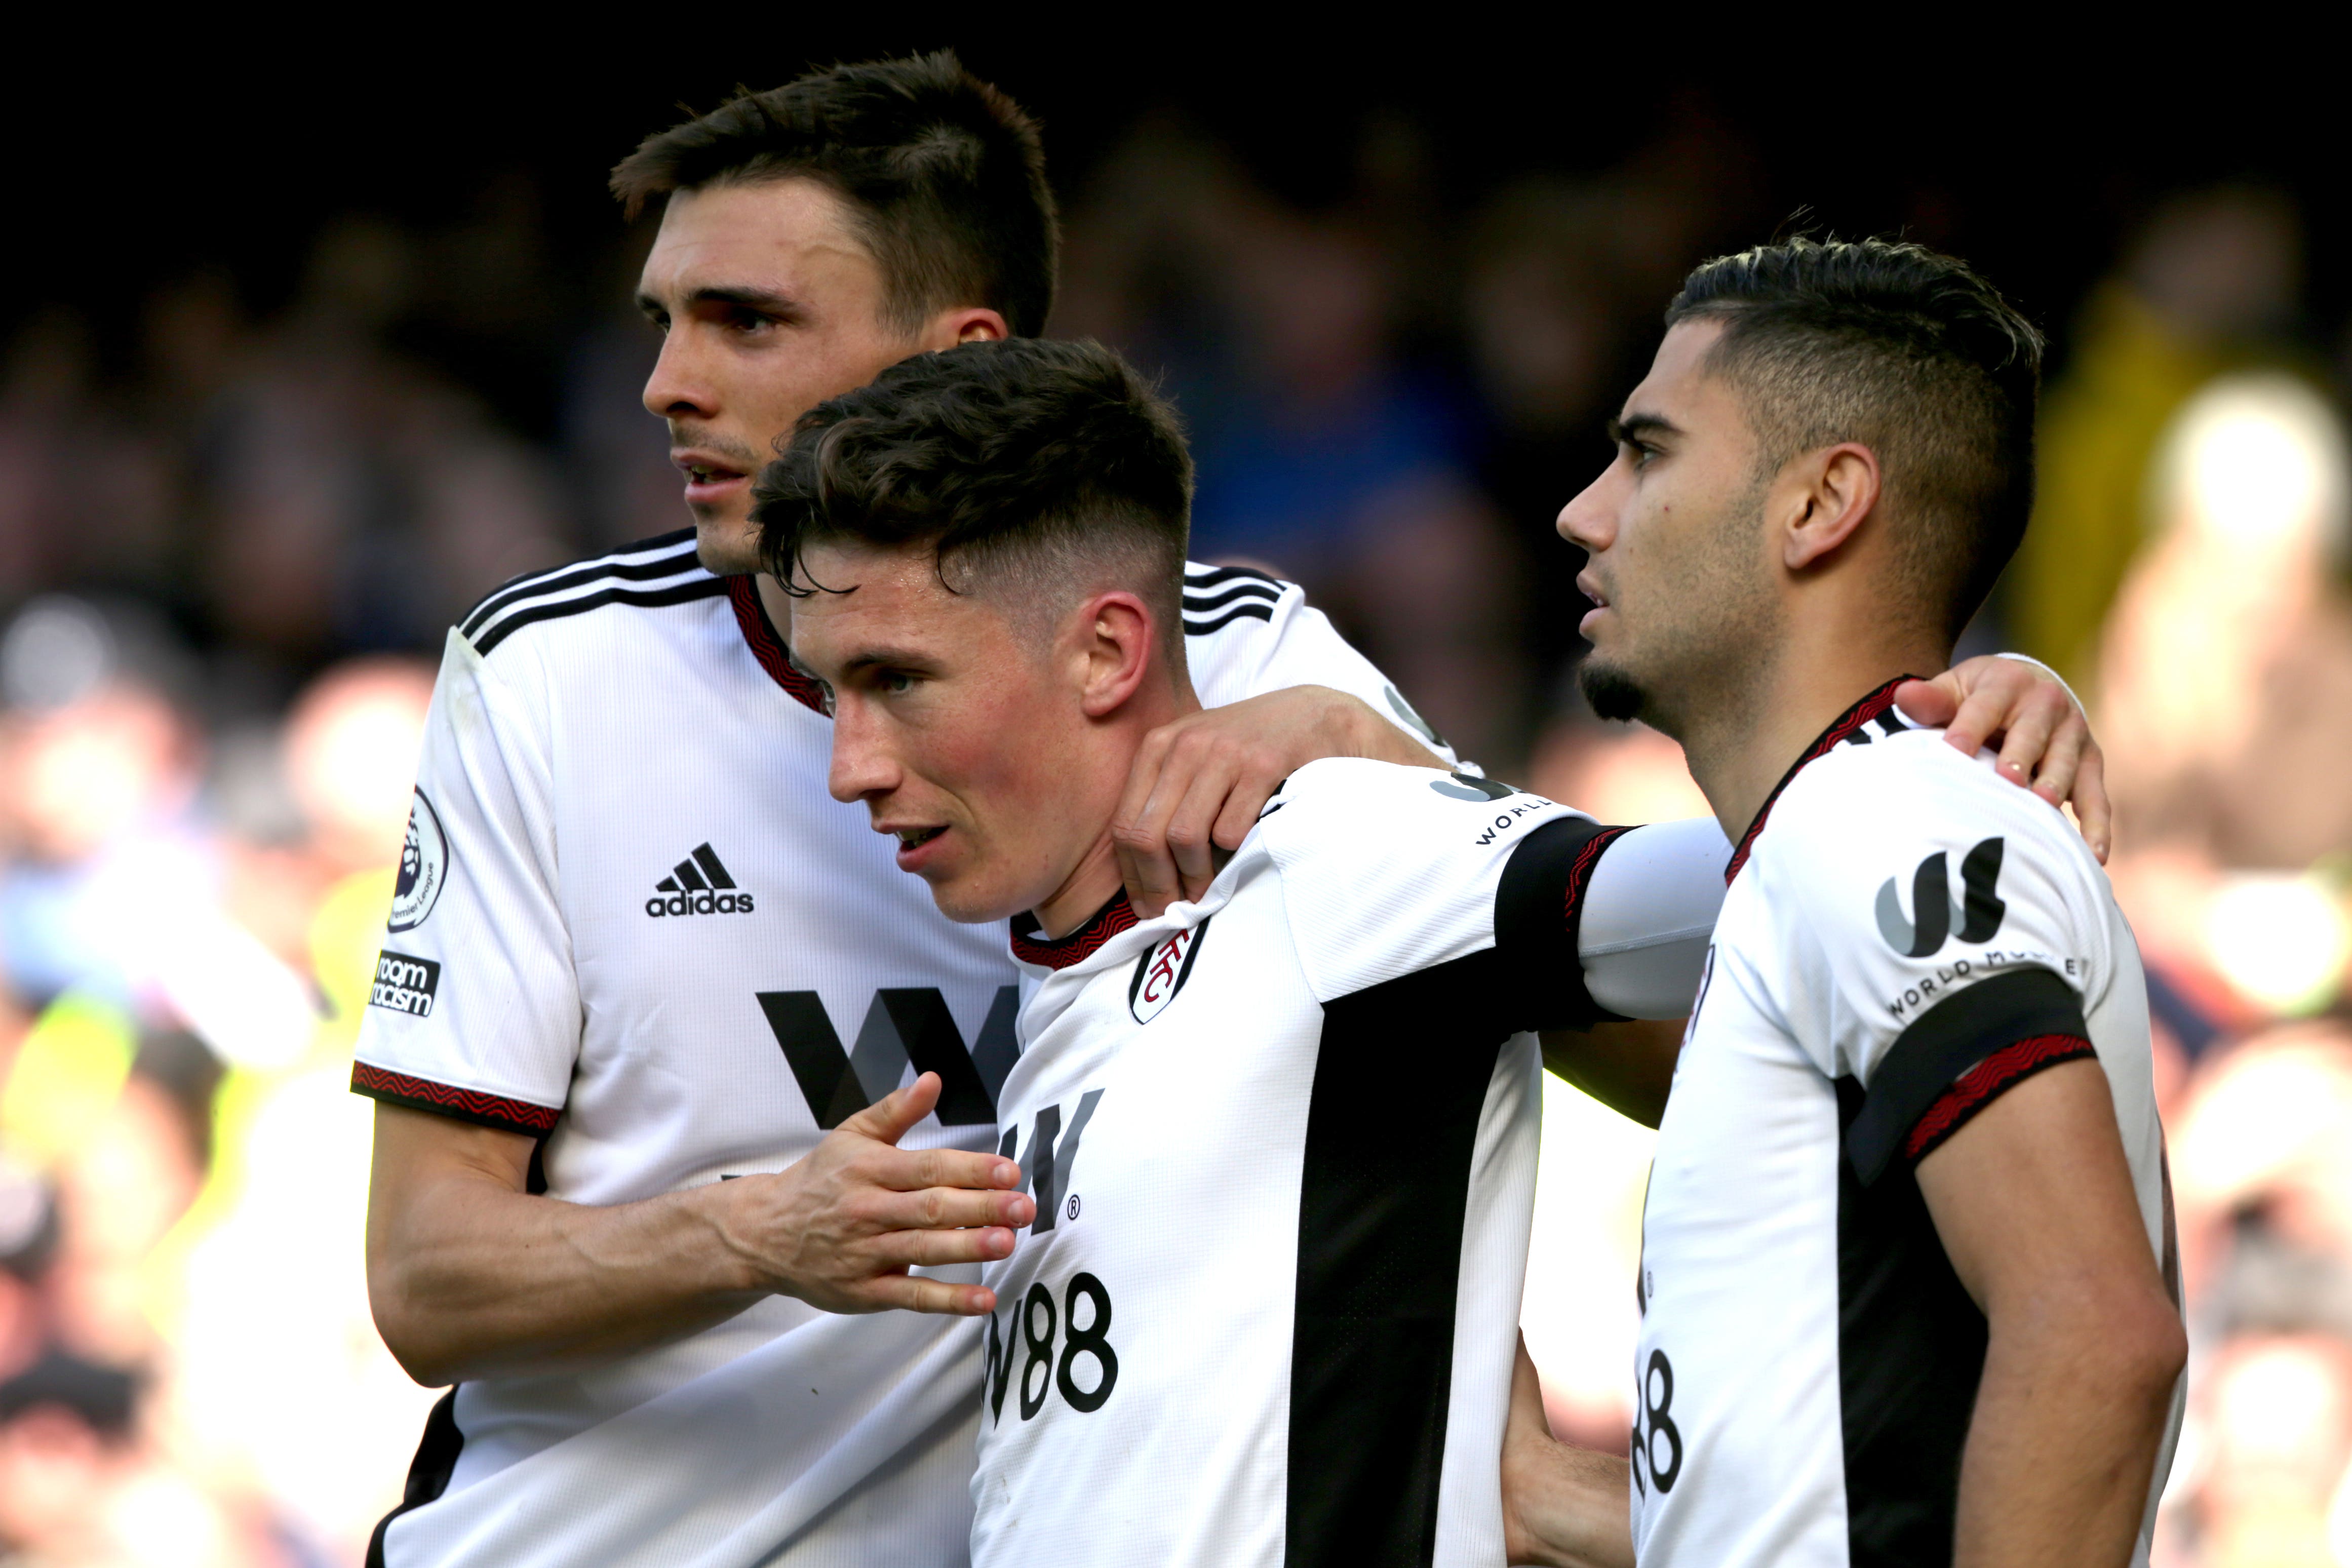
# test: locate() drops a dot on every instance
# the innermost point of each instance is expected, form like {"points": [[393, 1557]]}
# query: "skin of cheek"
{"points": [[1004, 759]]}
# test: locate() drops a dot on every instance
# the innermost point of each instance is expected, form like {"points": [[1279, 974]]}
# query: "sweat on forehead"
{"points": [[1024, 468]]}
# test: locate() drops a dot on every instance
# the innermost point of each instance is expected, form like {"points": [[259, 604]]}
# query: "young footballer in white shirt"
{"points": [[1281, 1138], [636, 953], [1909, 1282]]}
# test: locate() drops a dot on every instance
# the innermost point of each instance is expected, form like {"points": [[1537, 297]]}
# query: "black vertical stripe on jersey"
{"points": [[429, 1472], [1911, 1350], [1379, 1258]]}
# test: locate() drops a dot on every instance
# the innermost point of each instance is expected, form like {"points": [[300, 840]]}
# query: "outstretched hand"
{"points": [[1199, 782], [2045, 742], [841, 1227]]}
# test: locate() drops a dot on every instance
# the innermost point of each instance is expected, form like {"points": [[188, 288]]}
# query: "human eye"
{"points": [[744, 322]]}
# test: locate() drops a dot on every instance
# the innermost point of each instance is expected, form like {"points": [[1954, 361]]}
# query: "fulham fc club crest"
{"points": [[1161, 973], [423, 866]]}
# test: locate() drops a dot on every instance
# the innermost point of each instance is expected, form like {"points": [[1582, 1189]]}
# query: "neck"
{"points": [[1743, 742], [776, 601], [1095, 874]]}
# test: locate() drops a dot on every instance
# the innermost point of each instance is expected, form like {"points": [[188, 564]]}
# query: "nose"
{"points": [[677, 389], [862, 766], [1590, 518]]}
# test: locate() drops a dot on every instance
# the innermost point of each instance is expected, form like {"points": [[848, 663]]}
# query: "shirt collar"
{"points": [[1081, 944], [1846, 724]]}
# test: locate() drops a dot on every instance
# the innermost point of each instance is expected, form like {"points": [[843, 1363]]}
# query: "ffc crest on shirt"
{"points": [[1161, 972]]}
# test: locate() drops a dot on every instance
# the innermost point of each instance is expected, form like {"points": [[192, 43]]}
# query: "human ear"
{"points": [[964, 324], [1115, 633], [1833, 491]]}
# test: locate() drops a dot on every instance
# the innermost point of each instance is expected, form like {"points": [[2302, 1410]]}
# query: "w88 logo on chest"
{"points": [[1057, 1351]]}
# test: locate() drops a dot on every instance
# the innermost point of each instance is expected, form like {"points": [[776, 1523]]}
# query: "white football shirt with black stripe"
{"points": [[1907, 936], [1283, 1145], [632, 923]]}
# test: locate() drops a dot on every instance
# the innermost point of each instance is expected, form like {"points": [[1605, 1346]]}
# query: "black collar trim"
{"points": [[1852, 720], [1078, 946]]}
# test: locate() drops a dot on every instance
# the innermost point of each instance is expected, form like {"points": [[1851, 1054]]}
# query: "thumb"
{"points": [[888, 1119], [1930, 703]]}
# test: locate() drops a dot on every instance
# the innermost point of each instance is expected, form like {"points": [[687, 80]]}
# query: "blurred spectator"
{"points": [[1323, 453], [2225, 676], [2212, 283], [355, 498], [2278, 1431]]}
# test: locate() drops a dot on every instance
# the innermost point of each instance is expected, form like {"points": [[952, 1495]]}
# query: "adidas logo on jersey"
{"points": [[698, 885]]}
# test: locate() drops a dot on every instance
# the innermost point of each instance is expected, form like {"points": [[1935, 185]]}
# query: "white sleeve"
{"points": [[475, 1009], [1938, 941], [1390, 872], [1247, 634], [1649, 916]]}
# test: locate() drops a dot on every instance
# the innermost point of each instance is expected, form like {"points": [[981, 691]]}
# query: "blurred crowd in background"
{"points": [[236, 522]]}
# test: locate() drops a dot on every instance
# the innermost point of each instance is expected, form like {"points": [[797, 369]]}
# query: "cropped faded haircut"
{"points": [[1910, 353], [943, 174], [1034, 472]]}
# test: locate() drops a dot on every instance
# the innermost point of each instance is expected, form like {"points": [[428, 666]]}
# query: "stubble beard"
{"points": [[1721, 623]]}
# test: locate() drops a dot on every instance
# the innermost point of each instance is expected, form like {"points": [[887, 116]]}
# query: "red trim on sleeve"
{"points": [[1985, 1082], [744, 592], [463, 1104], [1580, 872]]}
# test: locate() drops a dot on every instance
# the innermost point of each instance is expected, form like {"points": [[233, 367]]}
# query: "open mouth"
{"points": [[916, 838]]}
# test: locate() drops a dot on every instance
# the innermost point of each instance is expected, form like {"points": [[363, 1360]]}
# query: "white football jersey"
{"points": [[1907, 936], [1282, 1146], [631, 922]]}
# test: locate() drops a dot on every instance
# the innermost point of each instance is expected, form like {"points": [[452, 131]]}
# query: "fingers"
{"points": [[914, 1170], [1139, 832], [912, 1293], [2053, 775], [2094, 812], [888, 1119], [938, 1249], [1929, 703], [942, 1208], [1192, 827], [2029, 727], [1984, 709]]}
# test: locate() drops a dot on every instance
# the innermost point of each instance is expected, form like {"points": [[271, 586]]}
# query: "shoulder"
{"points": [[1355, 818], [1907, 810], [1901, 783], [1220, 599], [653, 573]]}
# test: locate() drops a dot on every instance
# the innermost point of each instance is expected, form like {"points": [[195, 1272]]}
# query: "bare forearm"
{"points": [[1567, 1506], [483, 1283], [2061, 1448]]}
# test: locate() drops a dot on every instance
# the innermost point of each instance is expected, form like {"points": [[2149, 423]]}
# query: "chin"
{"points": [[972, 906], [1612, 692], [727, 546]]}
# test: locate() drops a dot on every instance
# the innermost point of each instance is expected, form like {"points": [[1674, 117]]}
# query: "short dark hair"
{"points": [[943, 173], [1022, 458], [1909, 353]]}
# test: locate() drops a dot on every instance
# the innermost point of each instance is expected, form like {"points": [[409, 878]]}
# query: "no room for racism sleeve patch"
{"points": [[405, 985]]}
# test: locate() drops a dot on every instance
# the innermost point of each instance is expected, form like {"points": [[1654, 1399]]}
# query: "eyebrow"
{"points": [[888, 658], [1632, 426], [742, 295]]}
